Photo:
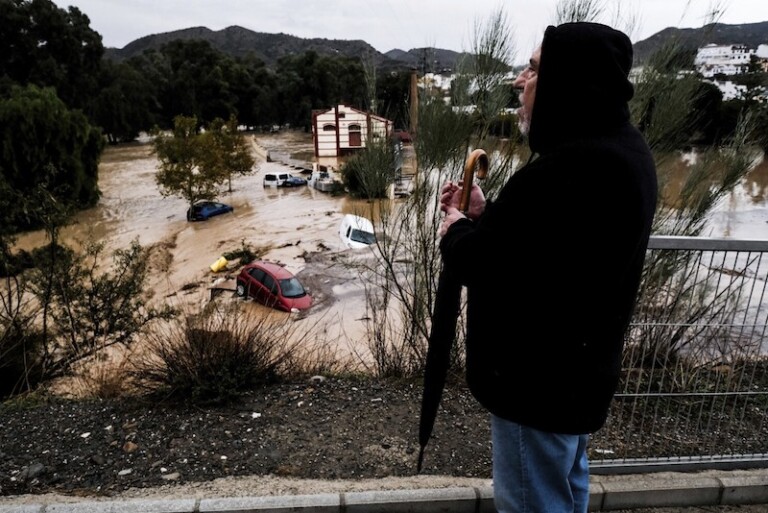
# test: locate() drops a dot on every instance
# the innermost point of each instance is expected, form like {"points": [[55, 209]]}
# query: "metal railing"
{"points": [[694, 388]]}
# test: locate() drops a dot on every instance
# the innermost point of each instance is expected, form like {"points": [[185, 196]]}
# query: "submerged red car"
{"points": [[272, 285]]}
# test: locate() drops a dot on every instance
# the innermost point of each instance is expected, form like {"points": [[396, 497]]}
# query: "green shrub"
{"points": [[369, 173]]}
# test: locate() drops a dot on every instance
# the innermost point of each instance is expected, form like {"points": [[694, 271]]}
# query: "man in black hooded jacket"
{"points": [[566, 239]]}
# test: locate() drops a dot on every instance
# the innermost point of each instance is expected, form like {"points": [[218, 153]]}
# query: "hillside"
{"points": [[432, 59], [750, 34], [240, 42]]}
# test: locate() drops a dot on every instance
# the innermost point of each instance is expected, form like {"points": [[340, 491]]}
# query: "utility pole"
{"points": [[414, 102], [413, 129]]}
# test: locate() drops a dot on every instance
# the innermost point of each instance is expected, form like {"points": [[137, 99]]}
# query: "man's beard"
{"points": [[523, 123]]}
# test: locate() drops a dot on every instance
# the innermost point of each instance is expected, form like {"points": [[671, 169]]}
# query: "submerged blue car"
{"points": [[203, 210]]}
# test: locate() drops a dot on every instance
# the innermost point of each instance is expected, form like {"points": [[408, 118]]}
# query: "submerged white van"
{"points": [[356, 231], [283, 180]]}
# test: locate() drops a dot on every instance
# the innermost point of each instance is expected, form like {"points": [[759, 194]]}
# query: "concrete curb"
{"points": [[606, 493]]}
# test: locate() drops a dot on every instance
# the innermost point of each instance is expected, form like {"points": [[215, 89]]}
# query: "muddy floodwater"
{"points": [[285, 224], [288, 223], [744, 213]]}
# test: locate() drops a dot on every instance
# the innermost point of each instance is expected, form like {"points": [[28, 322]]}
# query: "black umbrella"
{"points": [[443, 334]]}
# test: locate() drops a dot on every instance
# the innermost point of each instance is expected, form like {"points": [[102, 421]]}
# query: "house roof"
{"points": [[347, 108]]}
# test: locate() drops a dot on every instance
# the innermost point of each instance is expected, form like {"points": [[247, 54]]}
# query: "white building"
{"points": [[730, 90], [343, 130], [762, 56], [723, 59], [436, 81]]}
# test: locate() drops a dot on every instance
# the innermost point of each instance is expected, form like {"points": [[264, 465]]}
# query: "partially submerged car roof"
{"points": [[356, 231], [278, 270], [359, 222]]}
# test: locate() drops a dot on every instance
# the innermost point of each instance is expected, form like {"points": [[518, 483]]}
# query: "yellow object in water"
{"points": [[219, 264]]}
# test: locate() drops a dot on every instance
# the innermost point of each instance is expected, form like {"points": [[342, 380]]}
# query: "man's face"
{"points": [[526, 82]]}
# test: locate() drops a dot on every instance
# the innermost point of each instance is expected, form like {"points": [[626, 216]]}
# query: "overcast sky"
{"points": [[388, 24]]}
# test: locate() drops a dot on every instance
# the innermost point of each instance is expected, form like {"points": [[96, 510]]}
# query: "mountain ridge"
{"points": [[241, 42], [750, 34]]}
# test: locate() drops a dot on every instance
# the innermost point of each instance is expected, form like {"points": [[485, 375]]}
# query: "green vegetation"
{"points": [[403, 280], [182, 78], [67, 311], [370, 173], [227, 150], [193, 165], [47, 148]]}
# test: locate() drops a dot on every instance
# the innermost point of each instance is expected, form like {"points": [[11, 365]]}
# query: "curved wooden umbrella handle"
{"points": [[477, 158]]}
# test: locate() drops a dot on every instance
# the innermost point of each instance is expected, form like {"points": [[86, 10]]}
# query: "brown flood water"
{"points": [[743, 214], [131, 206], [288, 221]]}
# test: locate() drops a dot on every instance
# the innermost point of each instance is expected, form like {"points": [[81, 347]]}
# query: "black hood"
{"points": [[582, 87]]}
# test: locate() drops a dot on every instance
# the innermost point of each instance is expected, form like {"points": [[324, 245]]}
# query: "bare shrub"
{"points": [[401, 283], [86, 308], [215, 356], [21, 342], [20, 366], [106, 380]]}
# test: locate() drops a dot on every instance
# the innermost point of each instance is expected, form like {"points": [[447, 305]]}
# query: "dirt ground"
{"points": [[312, 437]]}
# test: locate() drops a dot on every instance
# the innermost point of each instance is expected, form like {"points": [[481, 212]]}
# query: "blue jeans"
{"points": [[538, 472]]}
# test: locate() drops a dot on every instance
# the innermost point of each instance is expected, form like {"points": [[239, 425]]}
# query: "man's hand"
{"points": [[450, 197], [452, 215]]}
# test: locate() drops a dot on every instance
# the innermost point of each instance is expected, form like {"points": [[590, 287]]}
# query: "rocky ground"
{"points": [[327, 429], [320, 436]]}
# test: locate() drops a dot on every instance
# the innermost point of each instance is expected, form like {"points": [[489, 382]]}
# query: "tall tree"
{"points": [[310, 81], [44, 144], [188, 165], [229, 152], [196, 85], [50, 47], [254, 87], [392, 97], [125, 104]]}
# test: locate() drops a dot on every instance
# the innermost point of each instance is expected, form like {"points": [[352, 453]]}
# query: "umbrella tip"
{"points": [[421, 460]]}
